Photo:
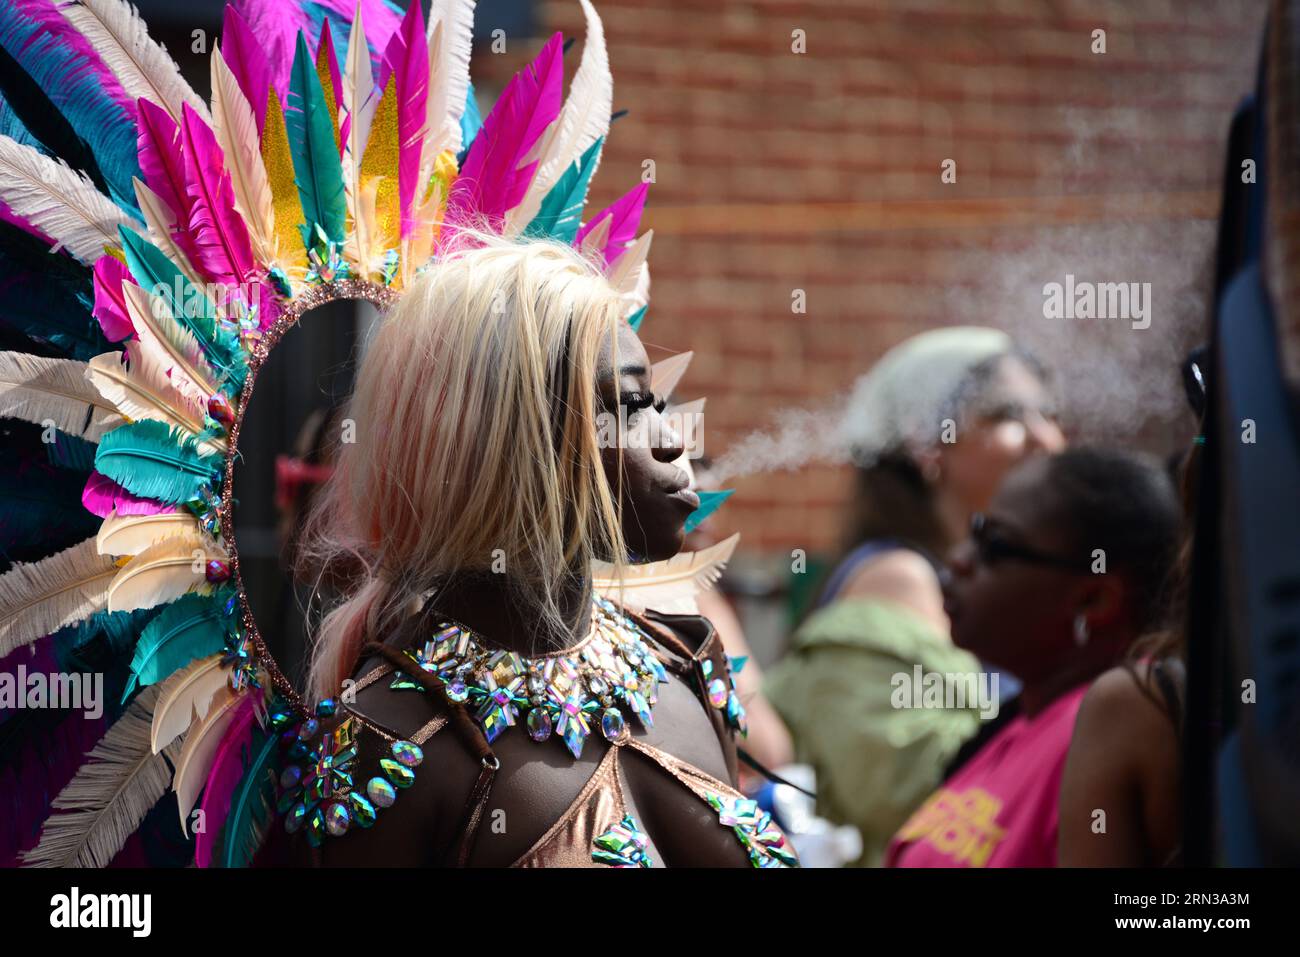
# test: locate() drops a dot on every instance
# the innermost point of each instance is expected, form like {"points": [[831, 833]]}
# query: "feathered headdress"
{"points": [[153, 247]]}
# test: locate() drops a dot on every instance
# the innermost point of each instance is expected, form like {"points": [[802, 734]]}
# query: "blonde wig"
{"points": [[475, 444]]}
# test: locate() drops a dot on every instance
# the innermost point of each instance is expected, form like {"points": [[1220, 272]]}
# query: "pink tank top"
{"points": [[1000, 808]]}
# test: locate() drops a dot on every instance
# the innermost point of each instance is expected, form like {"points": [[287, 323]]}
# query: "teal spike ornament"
{"points": [[318, 172], [710, 502], [637, 318]]}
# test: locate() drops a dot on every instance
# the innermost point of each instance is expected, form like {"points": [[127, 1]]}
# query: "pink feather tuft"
{"points": [[408, 57], [110, 304], [276, 24], [625, 213], [224, 776], [102, 495], [492, 181], [159, 148], [247, 61], [217, 233]]}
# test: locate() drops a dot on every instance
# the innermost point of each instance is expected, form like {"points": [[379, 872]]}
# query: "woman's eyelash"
{"points": [[636, 401]]}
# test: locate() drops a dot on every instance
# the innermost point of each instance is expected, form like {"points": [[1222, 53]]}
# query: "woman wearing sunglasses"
{"points": [[934, 427], [1058, 578]]}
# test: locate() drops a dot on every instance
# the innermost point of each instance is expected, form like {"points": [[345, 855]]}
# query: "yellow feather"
{"points": [[327, 85], [379, 172], [39, 598], [200, 747], [187, 695], [668, 586], [163, 572], [287, 210], [236, 130], [143, 391], [133, 534]]}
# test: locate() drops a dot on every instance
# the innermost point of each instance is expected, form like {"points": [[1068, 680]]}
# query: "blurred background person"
{"points": [[934, 427], [1066, 569]]}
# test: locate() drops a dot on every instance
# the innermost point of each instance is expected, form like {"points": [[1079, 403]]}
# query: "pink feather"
{"points": [[102, 495], [224, 776], [492, 181], [55, 24], [379, 19], [625, 215], [247, 61], [276, 24], [408, 57], [110, 304], [217, 232], [159, 149]]}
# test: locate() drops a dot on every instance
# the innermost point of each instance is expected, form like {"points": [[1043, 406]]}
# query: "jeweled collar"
{"points": [[611, 671]]}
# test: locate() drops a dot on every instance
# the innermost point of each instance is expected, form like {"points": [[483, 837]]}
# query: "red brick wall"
{"points": [[821, 171]]}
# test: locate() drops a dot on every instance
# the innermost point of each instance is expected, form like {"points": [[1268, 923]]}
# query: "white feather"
{"points": [[108, 798], [188, 696], [640, 294], [59, 201], [584, 119], [39, 598], [669, 586], [448, 73], [236, 130], [118, 34], [666, 373], [626, 271], [360, 100], [38, 389], [166, 341], [164, 571], [200, 747], [161, 223]]}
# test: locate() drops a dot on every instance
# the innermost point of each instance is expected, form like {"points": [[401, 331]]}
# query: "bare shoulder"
{"points": [[903, 576]]}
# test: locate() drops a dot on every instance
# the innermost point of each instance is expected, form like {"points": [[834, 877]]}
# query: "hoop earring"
{"points": [[1080, 629]]}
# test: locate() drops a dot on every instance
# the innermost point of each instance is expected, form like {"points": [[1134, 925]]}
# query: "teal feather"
{"points": [[318, 172], [154, 460], [560, 215], [710, 502], [251, 805], [153, 270], [193, 626], [637, 318], [471, 121]]}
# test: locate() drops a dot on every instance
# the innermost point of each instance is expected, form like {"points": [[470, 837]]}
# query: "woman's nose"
{"points": [[1043, 433], [667, 443], [960, 560]]}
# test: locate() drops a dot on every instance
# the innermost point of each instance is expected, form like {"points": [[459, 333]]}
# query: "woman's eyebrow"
{"points": [[632, 369]]}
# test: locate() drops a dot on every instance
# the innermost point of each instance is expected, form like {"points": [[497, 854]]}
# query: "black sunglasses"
{"points": [[992, 548]]}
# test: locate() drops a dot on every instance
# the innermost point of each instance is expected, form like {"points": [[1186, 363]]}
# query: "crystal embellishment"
{"points": [[623, 845]]}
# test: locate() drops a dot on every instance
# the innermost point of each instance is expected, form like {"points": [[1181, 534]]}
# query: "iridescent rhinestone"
{"points": [[718, 693], [707, 667], [216, 571], [380, 792], [457, 690], [539, 724], [315, 827], [611, 723], [294, 820], [402, 777], [290, 777], [598, 685], [307, 730], [363, 812], [338, 819], [407, 753], [536, 685], [326, 707]]}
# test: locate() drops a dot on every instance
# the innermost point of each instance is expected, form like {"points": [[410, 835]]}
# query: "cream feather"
{"points": [[626, 271], [452, 22], [58, 200], [594, 242], [669, 586], [39, 598], [200, 747], [666, 373], [164, 571], [165, 341], [584, 119], [38, 389], [142, 390], [236, 130], [640, 294], [360, 99], [116, 31], [133, 534], [187, 695], [108, 798], [161, 223]]}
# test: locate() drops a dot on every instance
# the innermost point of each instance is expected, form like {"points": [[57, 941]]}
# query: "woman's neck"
{"points": [[1035, 696], [490, 605]]}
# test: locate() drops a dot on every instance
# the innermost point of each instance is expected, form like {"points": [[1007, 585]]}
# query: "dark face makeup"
{"points": [[1010, 592], [653, 492]]}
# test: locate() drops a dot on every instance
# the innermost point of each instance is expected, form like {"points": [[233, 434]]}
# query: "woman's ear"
{"points": [[1101, 599], [929, 462]]}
